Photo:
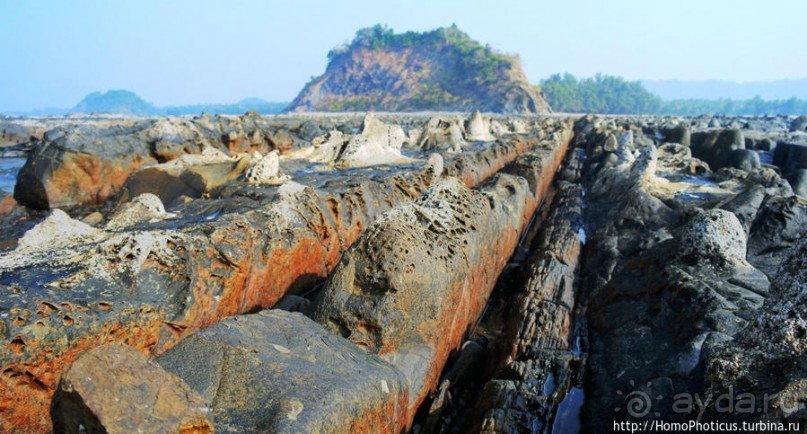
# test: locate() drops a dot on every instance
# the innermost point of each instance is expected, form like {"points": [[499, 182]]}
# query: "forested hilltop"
{"points": [[439, 70], [614, 95]]}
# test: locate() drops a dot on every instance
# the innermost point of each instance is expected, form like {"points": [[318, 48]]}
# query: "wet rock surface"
{"points": [[537, 371]]}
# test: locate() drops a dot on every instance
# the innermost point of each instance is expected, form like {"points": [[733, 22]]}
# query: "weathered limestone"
{"points": [[478, 128], [437, 260], [715, 236], [422, 274], [151, 282], [58, 237], [86, 164], [435, 166], [328, 147], [443, 133], [265, 169], [419, 276], [146, 207], [378, 143], [188, 176]]}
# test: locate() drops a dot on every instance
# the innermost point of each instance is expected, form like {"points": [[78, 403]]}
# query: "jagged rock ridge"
{"points": [[441, 70]]}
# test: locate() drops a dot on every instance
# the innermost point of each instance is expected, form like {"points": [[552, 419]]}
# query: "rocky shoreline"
{"points": [[428, 272]]}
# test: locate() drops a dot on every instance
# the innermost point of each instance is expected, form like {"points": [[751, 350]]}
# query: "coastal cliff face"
{"points": [[441, 70]]}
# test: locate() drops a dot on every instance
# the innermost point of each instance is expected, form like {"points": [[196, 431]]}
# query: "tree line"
{"points": [[614, 95]]}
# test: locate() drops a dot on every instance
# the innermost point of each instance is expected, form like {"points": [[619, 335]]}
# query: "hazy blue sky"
{"points": [[179, 52]]}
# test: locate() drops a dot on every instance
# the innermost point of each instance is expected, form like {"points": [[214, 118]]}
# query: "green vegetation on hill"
{"points": [[114, 101], [442, 69], [126, 102], [479, 64], [614, 95], [601, 94]]}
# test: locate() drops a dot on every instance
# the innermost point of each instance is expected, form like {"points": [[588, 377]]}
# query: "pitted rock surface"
{"points": [[151, 280], [716, 236]]}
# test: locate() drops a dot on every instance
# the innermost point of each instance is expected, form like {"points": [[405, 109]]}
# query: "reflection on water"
{"points": [[690, 196], [765, 157], [9, 167], [697, 180], [567, 419]]}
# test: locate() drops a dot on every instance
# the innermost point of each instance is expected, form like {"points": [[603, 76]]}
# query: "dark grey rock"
{"points": [[777, 227], [798, 181], [790, 157], [767, 360], [277, 371], [309, 131], [715, 147], [743, 159], [677, 134], [745, 205], [799, 124], [117, 389]]}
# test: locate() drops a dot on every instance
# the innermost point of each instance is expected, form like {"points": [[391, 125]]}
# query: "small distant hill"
{"points": [[127, 102], [440, 70], [245, 105], [253, 101], [115, 101], [717, 89]]}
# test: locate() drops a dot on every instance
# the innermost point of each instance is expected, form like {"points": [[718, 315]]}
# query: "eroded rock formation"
{"points": [[401, 247], [149, 277], [449, 246]]}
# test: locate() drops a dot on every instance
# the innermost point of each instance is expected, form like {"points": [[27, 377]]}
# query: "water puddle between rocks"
{"points": [[690, 196], [567, 417], [9, 168], [697, 180], [581, 233]]}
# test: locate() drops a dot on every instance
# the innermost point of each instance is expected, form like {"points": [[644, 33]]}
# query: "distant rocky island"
{"points": [[114, 101], [126, 102], [440, 70]]}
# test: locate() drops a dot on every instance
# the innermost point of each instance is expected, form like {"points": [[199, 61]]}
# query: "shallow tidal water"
{"points": [[9, 167]]}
